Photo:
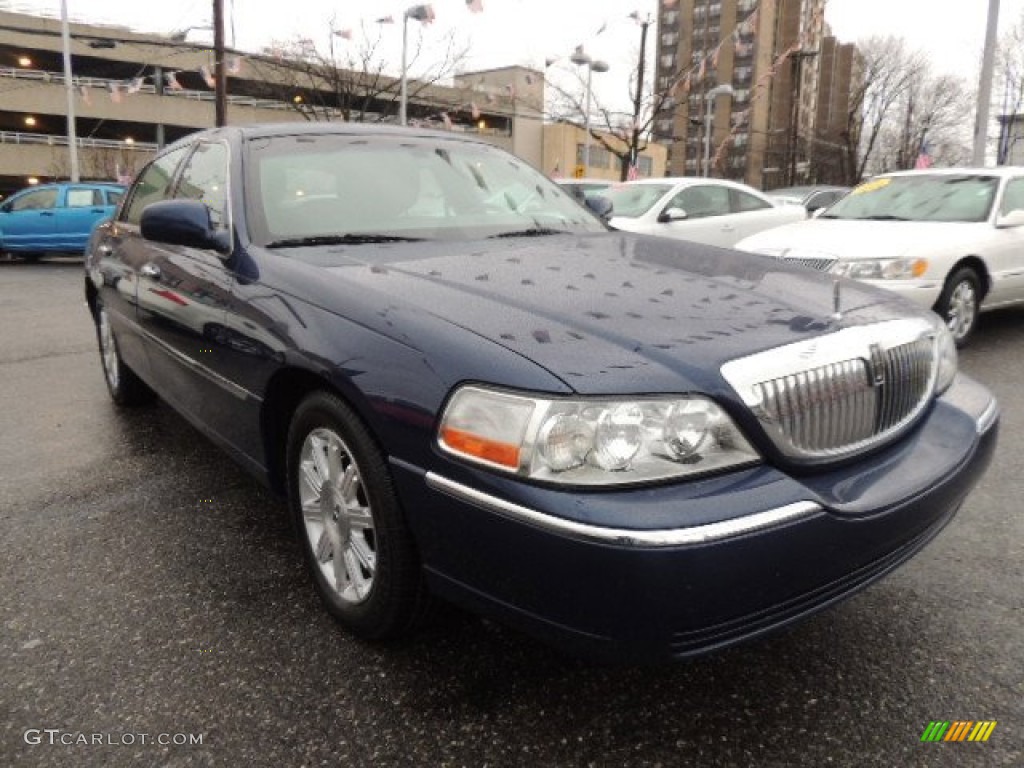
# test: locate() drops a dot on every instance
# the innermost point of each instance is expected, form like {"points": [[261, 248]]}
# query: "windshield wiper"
{"points": [[883, 217], [361, 238], [531, 232]]}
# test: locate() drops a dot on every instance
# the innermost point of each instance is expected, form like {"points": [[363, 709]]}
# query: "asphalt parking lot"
{"points": [[149, 588]]}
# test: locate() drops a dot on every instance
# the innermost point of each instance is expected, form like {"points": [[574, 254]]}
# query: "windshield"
{"points": [[315, 189], [920, 197], [633, 200]]}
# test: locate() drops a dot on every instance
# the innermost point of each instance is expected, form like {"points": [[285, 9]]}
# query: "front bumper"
{"points": [[702, 564], [924, 293]]}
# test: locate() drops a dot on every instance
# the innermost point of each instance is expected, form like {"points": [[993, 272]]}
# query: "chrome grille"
{"points": [[821, 409], [822, 265], [839, 394]]}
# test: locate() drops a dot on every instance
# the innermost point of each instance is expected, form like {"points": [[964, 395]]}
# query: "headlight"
{"points": [[945, 354], [881, 269], [584, 441]]}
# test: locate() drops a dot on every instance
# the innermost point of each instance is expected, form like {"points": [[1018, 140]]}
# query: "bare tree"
{"points": [[930, 115], [889, 70], [624, 134], [899, 106], [343, 77]]}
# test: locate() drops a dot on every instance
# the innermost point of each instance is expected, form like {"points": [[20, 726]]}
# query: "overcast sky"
{"points": [[528, 31]]}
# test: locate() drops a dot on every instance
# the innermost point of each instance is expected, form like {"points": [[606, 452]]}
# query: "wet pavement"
{"points": [[151, 591]]}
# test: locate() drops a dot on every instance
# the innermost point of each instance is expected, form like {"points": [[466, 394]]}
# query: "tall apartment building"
{"points": [[768, 53], [840, 73]]}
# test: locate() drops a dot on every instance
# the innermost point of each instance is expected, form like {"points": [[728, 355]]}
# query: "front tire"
{"points": [[959, 303], [351, 528], [124, 386]]}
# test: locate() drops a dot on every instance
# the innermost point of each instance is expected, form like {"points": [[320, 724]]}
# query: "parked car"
{"points": [[583, 188], [54, 217], [950, 239], [711, 211], [632, 447], [812, 197]]}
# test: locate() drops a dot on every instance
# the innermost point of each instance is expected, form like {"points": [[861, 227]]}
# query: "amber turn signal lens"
{"points": [[466, 443]]}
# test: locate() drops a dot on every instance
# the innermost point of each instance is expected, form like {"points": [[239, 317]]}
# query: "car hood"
{"points": [[611, 312], [847, 239]]}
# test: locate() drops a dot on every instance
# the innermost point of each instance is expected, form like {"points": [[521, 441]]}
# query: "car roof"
{"points": [[271, 130], [43, 185], [1000, 170]]}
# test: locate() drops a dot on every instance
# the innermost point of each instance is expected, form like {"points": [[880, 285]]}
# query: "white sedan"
{"points": [[950, 239], [712, 211]]}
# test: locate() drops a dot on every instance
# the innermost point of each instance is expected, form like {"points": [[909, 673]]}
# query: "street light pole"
{"points": [[424, 12], [69, 89], [985, 85], [725, 89], [404, 97], [580, 58]]}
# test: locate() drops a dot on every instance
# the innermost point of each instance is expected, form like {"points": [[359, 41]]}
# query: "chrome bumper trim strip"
{"points": [[988, 417], [672, 537]]}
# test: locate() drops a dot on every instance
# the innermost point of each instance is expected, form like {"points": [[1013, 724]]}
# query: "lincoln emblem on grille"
{"points": [[876, 365]]}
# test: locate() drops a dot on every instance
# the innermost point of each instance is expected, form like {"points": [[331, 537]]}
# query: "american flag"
{"points": [[924, 159], [631, 172]]}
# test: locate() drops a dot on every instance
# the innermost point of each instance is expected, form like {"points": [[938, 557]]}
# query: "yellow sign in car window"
{"points": [[871, 186]]}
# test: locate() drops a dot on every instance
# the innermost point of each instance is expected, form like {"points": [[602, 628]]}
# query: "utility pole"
{"points": [[69, 89], [219, 72], [634, 149], [985, 85]]}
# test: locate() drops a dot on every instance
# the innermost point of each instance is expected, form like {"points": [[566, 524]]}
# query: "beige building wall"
{"points": [[563, 155]]}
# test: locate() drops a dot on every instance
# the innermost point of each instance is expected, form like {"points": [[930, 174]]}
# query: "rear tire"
{"points": [[351, 529], [125, 387], [959, 302]]}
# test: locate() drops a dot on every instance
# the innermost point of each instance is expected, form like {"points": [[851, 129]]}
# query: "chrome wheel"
{"points": [[108, 351], [337, 517], [962, 309]]}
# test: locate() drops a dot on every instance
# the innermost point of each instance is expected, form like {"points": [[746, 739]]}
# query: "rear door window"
{"points": [[84, 198]]}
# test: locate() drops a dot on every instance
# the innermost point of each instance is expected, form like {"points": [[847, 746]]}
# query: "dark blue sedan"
{"points": [[465, 386]]}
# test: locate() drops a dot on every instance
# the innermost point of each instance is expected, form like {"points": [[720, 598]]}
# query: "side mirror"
{"points": [[183, 222], [1014, 218], [672, 214], [600, 206]]}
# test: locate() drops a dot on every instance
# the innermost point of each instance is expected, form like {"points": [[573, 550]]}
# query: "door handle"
{"points": [[151, 271], [46, 213], [728, 227]]}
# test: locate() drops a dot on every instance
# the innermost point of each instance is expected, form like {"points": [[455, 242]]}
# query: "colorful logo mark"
{"points": [[958, 730]]}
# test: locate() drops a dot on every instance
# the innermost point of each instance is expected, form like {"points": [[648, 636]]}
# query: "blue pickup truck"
{"points": [[54, 217]]}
